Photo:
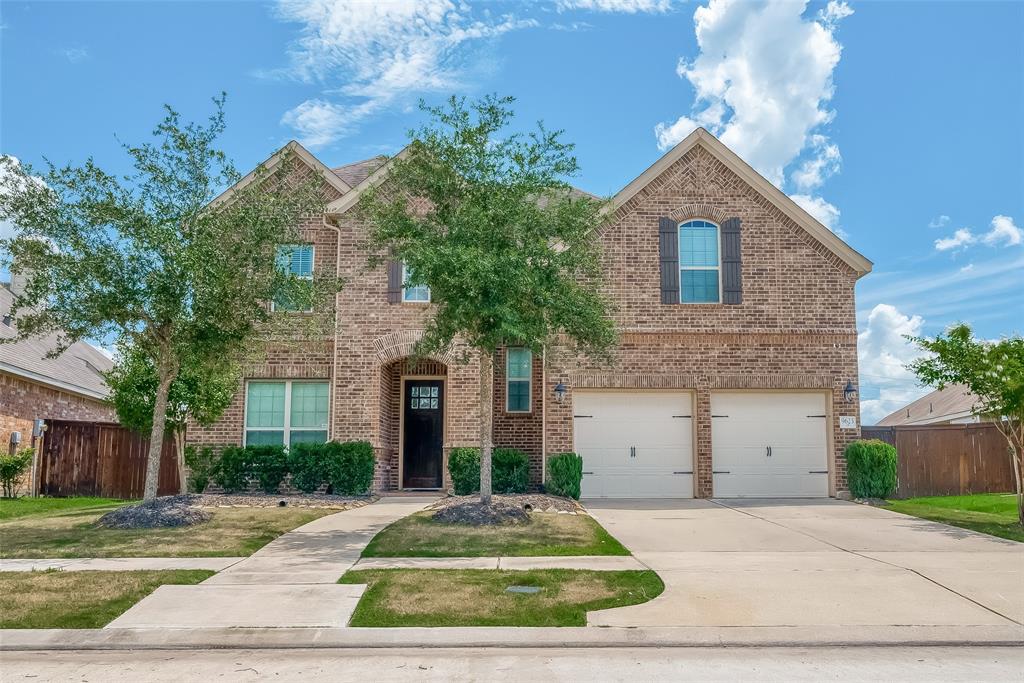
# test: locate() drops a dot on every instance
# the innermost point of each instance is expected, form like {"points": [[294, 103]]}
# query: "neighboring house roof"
{"points": [[78, 370], [955, 402]]}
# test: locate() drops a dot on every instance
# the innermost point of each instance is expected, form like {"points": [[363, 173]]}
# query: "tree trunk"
{"points": [[179, 447], [1015, 448], [486, 423], [156, 435]]}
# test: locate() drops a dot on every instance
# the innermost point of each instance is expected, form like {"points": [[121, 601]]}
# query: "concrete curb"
{"points": [[500, 637]]}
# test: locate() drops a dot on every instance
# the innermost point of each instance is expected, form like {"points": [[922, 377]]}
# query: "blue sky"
{"points": [[898, 124]]}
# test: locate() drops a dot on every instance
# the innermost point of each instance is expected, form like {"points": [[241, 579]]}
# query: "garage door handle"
{"points": [[686, 472], [720, 472], [588, 473], [632, 451], [817, 471]]}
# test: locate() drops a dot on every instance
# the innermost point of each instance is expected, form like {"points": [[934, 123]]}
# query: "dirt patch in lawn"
{"points": [[168, 511], [474, 597], [56, 599], [542, 533]]}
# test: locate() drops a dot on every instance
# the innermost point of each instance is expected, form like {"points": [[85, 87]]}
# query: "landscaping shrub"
{"points": [[464, 468], [269, 465], [307, 466], [13, 469], [871, 468], [510, 470], [202, 463], [234, 469], [565, 473], [349, 467]]}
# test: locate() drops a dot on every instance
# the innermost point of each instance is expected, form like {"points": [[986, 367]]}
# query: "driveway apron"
{"points": [[810, 562], [290, 582]]}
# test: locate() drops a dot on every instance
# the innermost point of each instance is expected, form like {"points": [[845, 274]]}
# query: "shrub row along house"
{"points": [[732, 377]]}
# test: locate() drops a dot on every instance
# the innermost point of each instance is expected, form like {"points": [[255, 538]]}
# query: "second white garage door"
{"points": [[769, 445], [634, 444]]}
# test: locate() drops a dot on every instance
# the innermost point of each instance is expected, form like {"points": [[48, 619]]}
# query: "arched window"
{"points": [[699, 263]]}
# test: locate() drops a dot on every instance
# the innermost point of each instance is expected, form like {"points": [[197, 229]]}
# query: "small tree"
{"points": [[151, 261], [485, 218], [13, 468], [994, 373]]}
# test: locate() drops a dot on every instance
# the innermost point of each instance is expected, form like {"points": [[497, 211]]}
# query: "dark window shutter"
{"points": [[668, 254], [732, 262], [394, 282]]}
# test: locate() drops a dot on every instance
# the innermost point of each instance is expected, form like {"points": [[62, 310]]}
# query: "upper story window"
{"points": [[414, 293], [285, 412], [296, 259], [518, 379], [699, 263]]}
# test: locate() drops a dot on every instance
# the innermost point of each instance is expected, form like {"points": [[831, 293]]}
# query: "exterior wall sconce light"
{"points": [[850, 391], [560, 391]]}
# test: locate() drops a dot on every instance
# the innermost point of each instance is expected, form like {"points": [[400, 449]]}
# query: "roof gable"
{"points": [[329, 176], [759, 183]]}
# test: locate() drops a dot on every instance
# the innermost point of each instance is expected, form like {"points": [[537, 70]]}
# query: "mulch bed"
{"points": [[273, 500], [504, 509]]}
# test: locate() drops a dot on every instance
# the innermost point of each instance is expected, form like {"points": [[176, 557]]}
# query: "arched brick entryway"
{"points": [[398, 378]]}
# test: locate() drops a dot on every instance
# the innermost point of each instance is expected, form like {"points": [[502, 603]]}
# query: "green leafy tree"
{"points": [[158, 260], [485, 218], [994, 373], [201, 392]]}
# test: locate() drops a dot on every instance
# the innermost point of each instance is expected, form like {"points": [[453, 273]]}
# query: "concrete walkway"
{"points": [[812, 563], [590, 562], [290, 582], [119, 564]]}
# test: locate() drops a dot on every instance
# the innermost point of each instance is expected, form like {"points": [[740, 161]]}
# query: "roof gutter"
{"points": [[50, 382]]}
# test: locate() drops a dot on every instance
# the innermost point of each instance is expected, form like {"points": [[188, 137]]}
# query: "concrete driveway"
{"points": [[811, 562]]}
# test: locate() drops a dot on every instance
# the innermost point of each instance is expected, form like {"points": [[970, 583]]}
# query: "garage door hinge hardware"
{"points": [[686, 472], [682, 416], [720, 472], [719, 416], [632, 451], [583, 416], [817, 416], [817, 471]]}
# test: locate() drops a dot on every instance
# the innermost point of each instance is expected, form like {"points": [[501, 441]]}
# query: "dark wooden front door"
{"points": [[423, 427]]}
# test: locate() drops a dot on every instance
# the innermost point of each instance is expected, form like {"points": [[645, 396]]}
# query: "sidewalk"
{"points": [[588, 562], [119, 564], [289, 583]]}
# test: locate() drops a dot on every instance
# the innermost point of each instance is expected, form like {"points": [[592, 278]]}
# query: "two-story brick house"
{"points": [[737, 345]]}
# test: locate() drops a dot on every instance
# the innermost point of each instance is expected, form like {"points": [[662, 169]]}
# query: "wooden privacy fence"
{"points": [[941, 460], [100, 459]]}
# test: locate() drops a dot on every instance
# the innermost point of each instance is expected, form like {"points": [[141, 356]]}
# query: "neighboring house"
{"points": [[952, 405], [34, 387], [738, 336]]}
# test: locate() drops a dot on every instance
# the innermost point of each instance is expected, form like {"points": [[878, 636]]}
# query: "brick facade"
{"points": [[794, 330], [22, 402]]}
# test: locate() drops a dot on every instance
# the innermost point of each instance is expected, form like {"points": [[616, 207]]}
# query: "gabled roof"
{"points": [[358, 171], [78, 370], [332, 178], [374, 178], [955, 402], [741, 168]]}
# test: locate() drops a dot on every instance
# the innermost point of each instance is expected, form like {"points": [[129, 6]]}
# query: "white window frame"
{"points": [[405, 278], [312, 262], [528, 380], [287, 428], [679, 243]]}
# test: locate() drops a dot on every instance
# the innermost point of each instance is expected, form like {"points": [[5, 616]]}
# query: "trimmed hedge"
{"points": [[871, 468], [565, 474], [202, 464], [347, 468], [464, 468]]}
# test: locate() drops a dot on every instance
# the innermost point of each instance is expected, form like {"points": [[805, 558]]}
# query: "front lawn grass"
{"points": [[477, 597], [989, 513], [56, 599], [231, 532], [21, 507], [546, 533]]}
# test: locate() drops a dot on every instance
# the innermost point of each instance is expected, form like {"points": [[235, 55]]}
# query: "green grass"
{"points": [[477, 597], [55, 599], [231, 532], [545, 534], [989, 513], [22, 507]]}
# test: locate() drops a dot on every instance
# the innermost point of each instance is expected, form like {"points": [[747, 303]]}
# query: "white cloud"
{"points": [[1003, 231], [961, 238], [75, 54], [966, 269], [624, 6], [825, 213], [371, 55], [763, 83], [939, 221], [883, 353]]}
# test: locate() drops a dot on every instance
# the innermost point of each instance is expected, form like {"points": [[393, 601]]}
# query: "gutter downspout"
{"points": [[544, 416], [334, 343]]}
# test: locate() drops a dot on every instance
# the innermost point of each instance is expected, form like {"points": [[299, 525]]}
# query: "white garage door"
{"points": [[634, 444], [769, 445]]}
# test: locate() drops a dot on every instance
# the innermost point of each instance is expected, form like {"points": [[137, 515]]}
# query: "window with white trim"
{"points": [[518, 379], [413, 293], [285, 412], [699, 263], [297, 260]]}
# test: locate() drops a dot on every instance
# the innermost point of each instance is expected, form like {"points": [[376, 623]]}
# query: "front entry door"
{"points": [[422, 433]]}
